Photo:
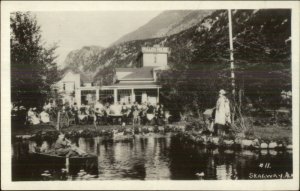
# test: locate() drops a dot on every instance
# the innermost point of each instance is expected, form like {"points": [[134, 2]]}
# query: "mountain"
{"points": [[258, 35], [201, 53], [166, 24], [84, 59], [200, 64]]}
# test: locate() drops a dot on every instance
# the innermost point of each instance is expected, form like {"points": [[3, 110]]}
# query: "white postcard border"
{"points": [[6, 182]]}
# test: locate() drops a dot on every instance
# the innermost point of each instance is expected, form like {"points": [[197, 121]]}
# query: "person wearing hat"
{"points": [[64, 147], [222, 115]]}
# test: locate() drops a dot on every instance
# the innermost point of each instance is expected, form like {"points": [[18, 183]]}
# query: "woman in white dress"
{"points": [[44, 117], [32, 117], [222, 116]]}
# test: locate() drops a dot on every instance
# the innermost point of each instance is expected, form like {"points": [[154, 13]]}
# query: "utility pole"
{"points": [[232, 64], [231, 53]]}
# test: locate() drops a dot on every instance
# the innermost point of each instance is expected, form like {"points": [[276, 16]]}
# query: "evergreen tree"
{"points": [[33, 66]]}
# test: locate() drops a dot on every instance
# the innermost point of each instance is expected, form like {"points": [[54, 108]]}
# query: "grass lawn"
{"points": [[267, 131], [273, 133]]}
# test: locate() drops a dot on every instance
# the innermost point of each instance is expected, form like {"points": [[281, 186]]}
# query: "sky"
{"points": [[73, 30]]}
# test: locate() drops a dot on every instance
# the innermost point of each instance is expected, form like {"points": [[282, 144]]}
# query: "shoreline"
{"points": [[190, 136]]}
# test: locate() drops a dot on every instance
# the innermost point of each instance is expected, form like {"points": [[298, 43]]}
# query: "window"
{"points": [[106, 96], [88, 96], [124, 96], [69, 87]]}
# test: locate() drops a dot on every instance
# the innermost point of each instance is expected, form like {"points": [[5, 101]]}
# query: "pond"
{"points": [[155, 157]]}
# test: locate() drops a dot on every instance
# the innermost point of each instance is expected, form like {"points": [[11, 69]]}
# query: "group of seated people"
{"points": [[122, 113], [30, 115], [103, 113], [34, 118]]}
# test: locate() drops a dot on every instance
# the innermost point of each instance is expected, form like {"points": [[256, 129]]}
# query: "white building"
{"points": [[131, 84]]}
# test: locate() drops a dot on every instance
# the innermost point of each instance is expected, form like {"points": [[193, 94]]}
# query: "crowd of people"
{"points": [[98, 113], [31, 116], [120, 113]]}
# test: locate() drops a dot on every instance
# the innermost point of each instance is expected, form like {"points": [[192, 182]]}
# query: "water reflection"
{"points": [[162, 157]]}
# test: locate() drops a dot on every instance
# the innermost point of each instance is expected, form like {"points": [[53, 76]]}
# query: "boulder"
{"points": [[228, 142], [161, 128], [246, 143], [289, 147], [272, 145], [263, 145], [215, 140]]}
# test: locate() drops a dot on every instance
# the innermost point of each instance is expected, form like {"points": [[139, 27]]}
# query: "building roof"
{"points": [[86, 78], [145, 73], [155, 49], [136, 84], [125, 69]]}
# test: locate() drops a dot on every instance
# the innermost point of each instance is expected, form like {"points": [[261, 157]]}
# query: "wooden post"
{"points": [[132, 96], [58, 119], [157, 95], [115, 96], [78, 97], [67, 164], [97, 95]]}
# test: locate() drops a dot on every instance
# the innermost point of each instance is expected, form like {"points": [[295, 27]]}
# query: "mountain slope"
{"points": [[258, 35], [84, 59], [166, 24]]}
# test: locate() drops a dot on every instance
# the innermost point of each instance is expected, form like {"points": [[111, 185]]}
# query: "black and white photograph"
{"points": [[101, 92]]}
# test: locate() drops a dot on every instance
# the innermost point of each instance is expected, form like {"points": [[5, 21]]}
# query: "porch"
{"points": [[123, 93]]}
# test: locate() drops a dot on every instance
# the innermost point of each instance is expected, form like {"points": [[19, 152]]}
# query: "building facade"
{"points": [[131, 84]]}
